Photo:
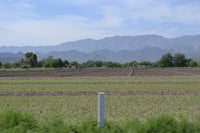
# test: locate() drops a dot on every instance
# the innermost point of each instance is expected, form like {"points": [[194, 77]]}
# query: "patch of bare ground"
{"points": [[166, 72], [65, 73], [99, 72]]}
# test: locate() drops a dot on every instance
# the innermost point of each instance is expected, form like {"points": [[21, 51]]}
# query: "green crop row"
{"points": [[100, 84], [174, 79], [98, 87], [75, 109]]}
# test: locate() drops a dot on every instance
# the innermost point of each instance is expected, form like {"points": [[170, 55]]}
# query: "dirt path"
{"points": [[130, 73], [90, 93]]}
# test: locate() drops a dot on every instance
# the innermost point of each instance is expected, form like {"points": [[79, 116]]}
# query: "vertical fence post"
{"points": [[100, 109]]}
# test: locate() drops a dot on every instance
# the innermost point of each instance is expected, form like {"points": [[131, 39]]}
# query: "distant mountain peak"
{"points": [[188, 45]]}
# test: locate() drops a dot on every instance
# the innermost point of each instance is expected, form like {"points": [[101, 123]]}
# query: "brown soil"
{"points": [[100, 72]]}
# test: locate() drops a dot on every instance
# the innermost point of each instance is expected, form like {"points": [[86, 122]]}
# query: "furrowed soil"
{"points": [[99, 72], [130, 93]]}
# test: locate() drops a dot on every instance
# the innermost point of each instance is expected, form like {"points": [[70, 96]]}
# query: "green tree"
{"points": [[98, 63], [146, 64], [111, 64], [47, 63], [165, 61], [0, 65], [20, 64], [57, 63], [179, 60], [191, 63], [31, 59], [88, 64], [7, 65], [66, 63], [131, 64], [75, 64], [91, 63]]}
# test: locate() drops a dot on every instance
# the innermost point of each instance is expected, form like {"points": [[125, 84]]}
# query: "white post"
{"points": [[100, 109]]}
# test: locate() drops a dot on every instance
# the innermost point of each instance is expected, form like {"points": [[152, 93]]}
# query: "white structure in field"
{"points": [[101, 109]]}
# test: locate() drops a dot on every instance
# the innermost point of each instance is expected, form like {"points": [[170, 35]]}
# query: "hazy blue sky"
{"points": [[50, 22]]}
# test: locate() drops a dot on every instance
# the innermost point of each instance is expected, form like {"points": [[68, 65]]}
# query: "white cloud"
{"points": [[111, 17], [163, 11], [17, 9], [22, 24], [187, 14], [51, 31]]}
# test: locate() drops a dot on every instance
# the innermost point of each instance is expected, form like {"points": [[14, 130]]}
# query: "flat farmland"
{"points": [[100, 72], [135, 94]]}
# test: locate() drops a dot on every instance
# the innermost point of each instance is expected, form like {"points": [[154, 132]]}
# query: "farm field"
{"points": [[105, 72], [74, 98]]}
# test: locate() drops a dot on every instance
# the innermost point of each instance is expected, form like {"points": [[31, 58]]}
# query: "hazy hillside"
{"points": [[115, 43], [10, 57], [146, 54], [117, 48]]}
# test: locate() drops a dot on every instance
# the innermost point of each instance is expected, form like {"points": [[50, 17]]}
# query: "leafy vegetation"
{"points": [[31, 59], [77, 108], [18, 122], [178, 60], [120, 109], [167, 60], [100, 84]]}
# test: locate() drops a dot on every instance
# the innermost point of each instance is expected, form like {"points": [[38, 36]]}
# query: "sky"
{"points": [[51, 22]]}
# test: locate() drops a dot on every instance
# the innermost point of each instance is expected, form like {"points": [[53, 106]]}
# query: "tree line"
{"points": [[167, 60]]}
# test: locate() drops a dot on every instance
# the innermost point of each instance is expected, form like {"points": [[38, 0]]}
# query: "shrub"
{"points": [[55, 125], [132, 126], [16, 122], [162, 124], [167, 124]]}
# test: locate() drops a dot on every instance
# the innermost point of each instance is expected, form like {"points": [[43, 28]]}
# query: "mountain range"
{"points": [[117, 48]]}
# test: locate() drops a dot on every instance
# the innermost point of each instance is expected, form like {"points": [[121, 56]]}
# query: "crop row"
{"points": [[75, 109], [78, 108]]}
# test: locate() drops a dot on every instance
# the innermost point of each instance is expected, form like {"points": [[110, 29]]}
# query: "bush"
{"points": [[162, 124], [7, 65], [17, 122], [132, 126], [53, 126], [167, 124]]}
